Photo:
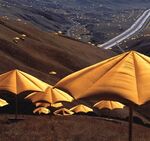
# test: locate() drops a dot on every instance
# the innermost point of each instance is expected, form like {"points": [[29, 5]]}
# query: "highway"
{"points": [[139, 24]]}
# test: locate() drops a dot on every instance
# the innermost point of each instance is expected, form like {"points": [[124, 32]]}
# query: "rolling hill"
{"points": [[41, 52], [73, 15]]}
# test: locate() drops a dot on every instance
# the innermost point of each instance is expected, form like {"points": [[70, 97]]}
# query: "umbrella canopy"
{"points": [[45, 104], [3, 102], [122, 78], [111, 105], [41, 110], [50, 95], [81, 108], [17, 81], [57, 105], [42, 104], [63, 112]]}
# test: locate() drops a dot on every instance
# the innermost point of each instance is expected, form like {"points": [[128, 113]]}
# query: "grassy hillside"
{"points": [[71, 128], [41, 52]]}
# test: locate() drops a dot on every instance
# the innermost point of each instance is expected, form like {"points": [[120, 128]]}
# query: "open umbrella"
{"points": [[63, 112], [41, 110], [3, 102], [81, 108], [45, 104], [50, 95], [17, 82], [124, 78], [109, 105], [42, 104]]}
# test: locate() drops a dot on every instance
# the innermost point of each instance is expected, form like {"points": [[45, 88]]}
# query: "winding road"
{"points": [[140, 23]]}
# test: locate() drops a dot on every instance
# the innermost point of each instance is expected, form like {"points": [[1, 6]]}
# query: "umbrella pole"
{"points": [[130, 122], [16, 108], [50, 114]]}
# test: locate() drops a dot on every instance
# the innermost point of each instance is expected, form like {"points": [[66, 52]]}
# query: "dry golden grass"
{"points": [[71, 128]]}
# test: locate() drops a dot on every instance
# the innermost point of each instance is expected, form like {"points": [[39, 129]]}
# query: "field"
{"points": [[71, 128]]}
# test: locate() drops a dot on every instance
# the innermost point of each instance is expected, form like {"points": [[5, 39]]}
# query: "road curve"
{"points": [[138, 25]]}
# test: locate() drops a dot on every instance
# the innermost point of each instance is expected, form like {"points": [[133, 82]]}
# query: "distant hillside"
{"points": [[34, 12], [41, 52], [139, 42], [141, 45], [96, 17]]}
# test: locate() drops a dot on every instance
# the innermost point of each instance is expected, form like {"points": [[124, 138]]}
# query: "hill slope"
{"points": [[42, 52], [71, 128], [96, 21]]}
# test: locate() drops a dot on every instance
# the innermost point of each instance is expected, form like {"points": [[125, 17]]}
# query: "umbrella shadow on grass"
{"points": [[17, 104]]}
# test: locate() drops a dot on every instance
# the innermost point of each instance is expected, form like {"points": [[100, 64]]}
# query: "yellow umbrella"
{"points": [[3, 102], [42, 104], [53, 72], [45, 104], [63, 112], [57, 105], [123, 78], [81, 108], [17, 81], [50, 95], [41, 110], [109, 105]]}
